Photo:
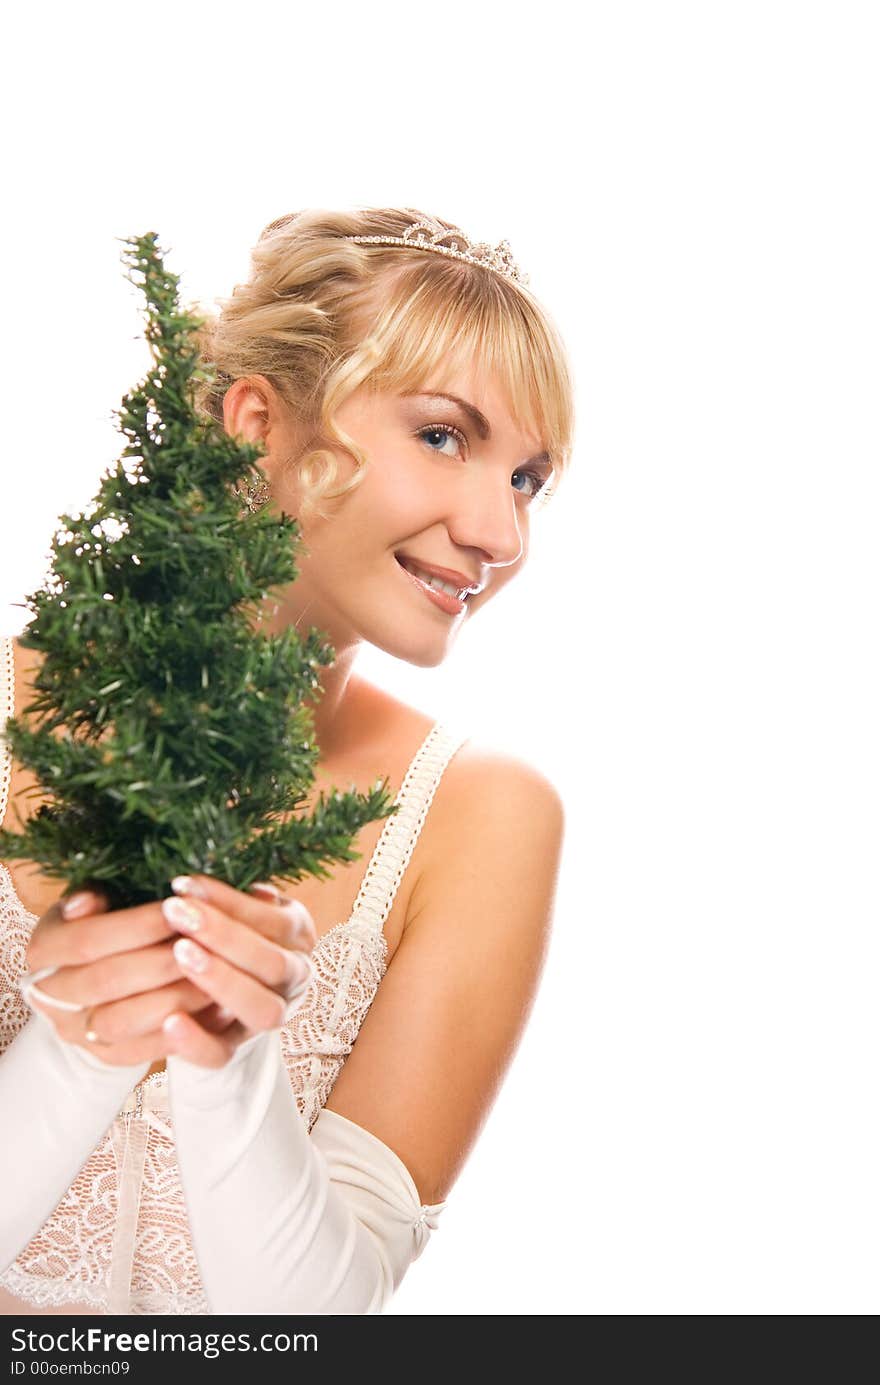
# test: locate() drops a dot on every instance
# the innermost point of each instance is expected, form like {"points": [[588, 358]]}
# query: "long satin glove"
{"points": [[283, 1220], [57, 1102]]}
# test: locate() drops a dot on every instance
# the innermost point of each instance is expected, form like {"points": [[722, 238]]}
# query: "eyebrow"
{"points": [[479, 421]]}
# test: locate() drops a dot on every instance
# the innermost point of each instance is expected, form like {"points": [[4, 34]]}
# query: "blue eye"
{"points": [[537, 479], [443, 431]]}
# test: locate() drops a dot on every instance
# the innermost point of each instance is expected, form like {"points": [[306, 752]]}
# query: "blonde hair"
{"points": [[320, 316]]}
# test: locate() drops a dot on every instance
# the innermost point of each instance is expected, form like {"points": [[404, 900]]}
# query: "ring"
{"points": [[27, 986], [91, 1036]]}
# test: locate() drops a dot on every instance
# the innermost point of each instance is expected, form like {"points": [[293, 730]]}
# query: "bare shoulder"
{"points": [[25, 659], [484, 792], [25, 664], [485, 795], [481, 768], [497, 819], [454, 1003]]}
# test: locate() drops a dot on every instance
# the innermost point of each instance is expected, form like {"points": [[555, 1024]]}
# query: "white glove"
{"points": [[284, 1221], [58, 1102]]}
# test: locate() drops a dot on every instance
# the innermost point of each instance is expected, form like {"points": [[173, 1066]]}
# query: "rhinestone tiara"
{"points": [[430, 235]]}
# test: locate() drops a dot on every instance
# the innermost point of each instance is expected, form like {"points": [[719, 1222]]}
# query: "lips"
{"points": [[459, 580]]}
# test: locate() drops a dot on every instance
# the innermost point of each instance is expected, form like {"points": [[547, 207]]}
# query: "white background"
{"points": [[690, 1123]]}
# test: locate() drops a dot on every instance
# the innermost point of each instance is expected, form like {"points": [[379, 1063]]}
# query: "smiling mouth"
{"points": [[433, 590], [435, 583]]}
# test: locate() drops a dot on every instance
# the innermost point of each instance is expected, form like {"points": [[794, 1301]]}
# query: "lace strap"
{"points": [[7, 710], [401, 831]]}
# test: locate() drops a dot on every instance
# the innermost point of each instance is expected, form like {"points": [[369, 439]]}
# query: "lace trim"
{"points": [[7, 710], [120, 1235], [401, 832]]}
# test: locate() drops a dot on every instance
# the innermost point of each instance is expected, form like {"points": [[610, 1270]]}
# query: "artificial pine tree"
{"points": [[172, 736]]}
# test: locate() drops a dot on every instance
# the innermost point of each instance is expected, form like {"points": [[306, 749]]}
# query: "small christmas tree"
{"points": [[173, 737]]}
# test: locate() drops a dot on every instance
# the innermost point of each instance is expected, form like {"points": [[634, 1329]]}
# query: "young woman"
{"points": [[288, 1144]]}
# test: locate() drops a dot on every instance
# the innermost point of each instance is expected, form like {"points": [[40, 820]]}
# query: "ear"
{"points": [[246, 409]]}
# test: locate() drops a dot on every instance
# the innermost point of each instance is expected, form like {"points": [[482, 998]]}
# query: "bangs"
{"points": [[433, 321]]}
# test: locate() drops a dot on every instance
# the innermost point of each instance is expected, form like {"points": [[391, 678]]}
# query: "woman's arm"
{"points": [[57, 1102], [56, 1099], [284, 1222], [287, 1223]]}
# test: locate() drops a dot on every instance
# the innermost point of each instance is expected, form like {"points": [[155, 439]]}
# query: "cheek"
{"points": [[357, 549], [386, 497]]}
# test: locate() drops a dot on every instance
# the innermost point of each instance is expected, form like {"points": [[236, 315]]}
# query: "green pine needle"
{"points": [[165, 734]]}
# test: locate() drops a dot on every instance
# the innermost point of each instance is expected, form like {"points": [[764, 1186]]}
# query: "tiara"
{"points": [[431, 235]]}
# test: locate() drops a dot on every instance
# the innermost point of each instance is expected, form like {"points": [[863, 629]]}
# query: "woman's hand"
{"points": [[251, 958], [123, 969]]}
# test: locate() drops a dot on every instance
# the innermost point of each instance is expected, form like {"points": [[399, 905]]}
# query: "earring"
{"points": [[256, 495]]}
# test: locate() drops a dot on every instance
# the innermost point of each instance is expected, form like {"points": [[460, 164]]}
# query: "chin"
{"points": [[428, 660], [420, 653]]}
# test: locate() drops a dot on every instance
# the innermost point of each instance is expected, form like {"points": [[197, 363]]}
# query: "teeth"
{"points": [[436, 582], [440, 585]]}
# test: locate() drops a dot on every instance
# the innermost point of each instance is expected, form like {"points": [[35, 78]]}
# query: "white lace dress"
{"points": [[119, 1239]]}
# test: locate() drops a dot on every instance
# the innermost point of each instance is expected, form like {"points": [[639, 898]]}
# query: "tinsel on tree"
{"points": [[167, 734]]}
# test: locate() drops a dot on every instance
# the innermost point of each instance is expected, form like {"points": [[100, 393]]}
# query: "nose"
{"points": [[490, 521]]}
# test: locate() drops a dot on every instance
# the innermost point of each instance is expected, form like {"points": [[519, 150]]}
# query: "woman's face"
{"points": [[442, 489]]}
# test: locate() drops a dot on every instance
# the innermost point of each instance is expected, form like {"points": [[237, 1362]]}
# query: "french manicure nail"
{"points": [[185, 884], [299, 913], [78, 904], [182, 914], [302, 971], [269, 890], [190, 956]]}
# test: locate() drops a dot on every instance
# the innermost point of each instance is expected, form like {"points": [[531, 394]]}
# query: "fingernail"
{"points": [[173, 1024], [302, 971], [78, 904], [266, 889], [190, 956], [185, 884], [298, 912], [182, 914]]}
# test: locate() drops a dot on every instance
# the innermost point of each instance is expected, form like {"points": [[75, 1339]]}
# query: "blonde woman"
{"points": [[231, 1102]]}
